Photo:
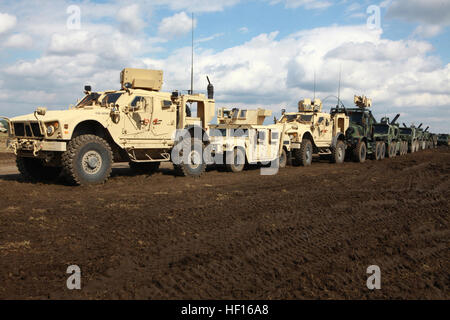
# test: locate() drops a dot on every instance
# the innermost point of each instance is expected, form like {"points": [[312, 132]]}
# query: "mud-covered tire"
{"points": [[360, 152], [144, 167], [390, 148], [185, 168], [88, 160], [235, 162], [378, 149], [283, 159], [303, 156], [338, 152], [383, 151], [33, 169]]}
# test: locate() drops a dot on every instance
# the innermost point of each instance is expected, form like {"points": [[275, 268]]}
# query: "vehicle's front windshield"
{"points": [[288, 118], [405, 131], [356, 117], [111, 98], [305, 118], [89, 100], [381, 129]]}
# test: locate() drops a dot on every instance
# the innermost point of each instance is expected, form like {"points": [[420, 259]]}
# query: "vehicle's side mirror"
{"points": [[87, 88]]}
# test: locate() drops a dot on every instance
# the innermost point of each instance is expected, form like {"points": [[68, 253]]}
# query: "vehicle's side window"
{"points": [[138, 103], [166, 104]]}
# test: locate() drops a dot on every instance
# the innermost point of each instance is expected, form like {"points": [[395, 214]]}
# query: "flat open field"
{"points": [[305, 233]]}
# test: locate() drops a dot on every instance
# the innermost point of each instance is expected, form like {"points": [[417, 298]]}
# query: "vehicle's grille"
{"points": [[29, 130]]}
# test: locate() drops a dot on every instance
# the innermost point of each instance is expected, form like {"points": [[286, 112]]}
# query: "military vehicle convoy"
{"points": [[310, 131], [137, 124], [144, 126]]}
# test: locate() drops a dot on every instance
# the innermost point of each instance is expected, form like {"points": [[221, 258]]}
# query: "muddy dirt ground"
{"points": [[305, 233]]}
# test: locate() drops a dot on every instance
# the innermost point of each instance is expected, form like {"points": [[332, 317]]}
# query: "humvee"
{"points": [[310, 131], [241, 138], [138, 124]]}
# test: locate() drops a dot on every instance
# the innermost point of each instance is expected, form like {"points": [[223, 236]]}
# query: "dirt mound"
{"points": [[305, 233]]}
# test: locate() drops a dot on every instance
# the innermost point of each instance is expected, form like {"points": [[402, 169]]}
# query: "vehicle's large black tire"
{"points": [[303, 156], [360, 152], [383, 151], [235, 162], [283, 159], [88, 160], [33, 169], [144, 167], [378, 149], [338, 152], [186, 168], [390, 148]]}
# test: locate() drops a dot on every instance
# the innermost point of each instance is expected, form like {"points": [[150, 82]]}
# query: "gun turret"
{"points": [[404, 125], [363, 102], [426, 129], [420, 126], [395, 119]]}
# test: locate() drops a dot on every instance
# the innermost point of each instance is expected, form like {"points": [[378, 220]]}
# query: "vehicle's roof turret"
{"points": [[306, 105], [363, 102], [141, 79]]}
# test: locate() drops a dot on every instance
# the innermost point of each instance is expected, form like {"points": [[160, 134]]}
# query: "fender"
{"points": [[336, 139]]}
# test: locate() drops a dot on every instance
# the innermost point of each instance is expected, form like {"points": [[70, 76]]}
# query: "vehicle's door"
{"points": [[164, 118], [137, 121]]}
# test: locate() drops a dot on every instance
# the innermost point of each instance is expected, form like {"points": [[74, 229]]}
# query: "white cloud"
{"points": [[401, 76], [19, 40], [243, 30], [7, 22], [428, 31], [206, 39], [130, 18], [197, 5], [176, 25], [307, 4]]}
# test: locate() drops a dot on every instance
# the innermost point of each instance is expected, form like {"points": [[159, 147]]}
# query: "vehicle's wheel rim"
{"points": [[92, 162], [308, 154], [340, 153], [195, 159]]}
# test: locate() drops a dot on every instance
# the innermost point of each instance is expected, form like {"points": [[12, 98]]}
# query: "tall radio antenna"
{"points": [[339, 90], [314, 85], [192, 57]]}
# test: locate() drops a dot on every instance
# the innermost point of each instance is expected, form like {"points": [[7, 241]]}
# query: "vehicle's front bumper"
{"points": [[36, 146]]}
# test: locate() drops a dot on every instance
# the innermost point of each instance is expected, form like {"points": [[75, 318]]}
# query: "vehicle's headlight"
{"points": [[50, 130]]}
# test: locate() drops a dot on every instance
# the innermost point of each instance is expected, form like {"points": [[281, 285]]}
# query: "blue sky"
{"points": [[260, 53]]}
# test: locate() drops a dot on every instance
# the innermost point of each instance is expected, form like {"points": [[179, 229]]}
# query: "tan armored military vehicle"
{"points": [[311, 131], [138, 124], [240, 138]]}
